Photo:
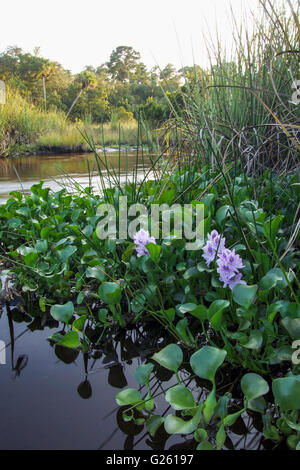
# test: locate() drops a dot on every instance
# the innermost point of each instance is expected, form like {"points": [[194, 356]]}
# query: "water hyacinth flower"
{"points": [[228, 261], [215, 244], [142, 238], [229, 264]]}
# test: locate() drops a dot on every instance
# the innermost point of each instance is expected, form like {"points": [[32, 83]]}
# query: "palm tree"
{"points": [[87, 81]]}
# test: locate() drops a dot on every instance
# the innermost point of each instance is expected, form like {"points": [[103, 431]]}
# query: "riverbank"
{"points": [[28, 130]]}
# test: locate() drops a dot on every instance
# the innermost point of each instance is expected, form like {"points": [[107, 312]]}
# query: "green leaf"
{"points": [[110, 293], [215, 313], [142, 373], [198, 311], [66, 253], [216, 307], [138, 303], [221, 437], [78, 324], [273, 278], [244, 295], [200, 435], [292, 326], [255, 340], [205, 446], [62, 313], [209, 406], [286, 391], [70, 340], [170, 357], [175, 425], [154, 251], [206, 361], [180, 398], [95, 273], [253, 386], [258, 405], [222, 213], [153, 423], [231, 419], [184, 308], [130, 396]]}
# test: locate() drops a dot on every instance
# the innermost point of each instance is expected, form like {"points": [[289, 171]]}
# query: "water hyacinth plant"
{"points": [[228, 261]]}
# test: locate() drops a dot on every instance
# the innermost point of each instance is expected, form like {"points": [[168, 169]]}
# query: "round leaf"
{"points": [[244, 295], [254, 386], [180, 398], [62, 313], [170, 357], [206, 361], [110, 293]]}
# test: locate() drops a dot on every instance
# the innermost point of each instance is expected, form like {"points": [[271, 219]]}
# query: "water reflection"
{"points": [[53, 170], [64, 398]]}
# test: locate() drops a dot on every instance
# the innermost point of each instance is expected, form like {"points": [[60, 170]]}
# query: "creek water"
{"points": [[59, 171]]}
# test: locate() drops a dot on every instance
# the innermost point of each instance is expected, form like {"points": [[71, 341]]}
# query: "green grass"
{"points": [[25, 128]]}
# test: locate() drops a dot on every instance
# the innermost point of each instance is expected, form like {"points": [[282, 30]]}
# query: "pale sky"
{"points": [[77, 33]]}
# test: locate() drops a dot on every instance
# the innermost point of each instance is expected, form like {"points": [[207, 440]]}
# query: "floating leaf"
{"points": [[175, 425], [286, 391], [206, 361], [292, 326], [70, 340], [153, 423], [62, 313], [154, 251], [96, 272], [254, 341], [110, 293], [180, 398], [130, 396], [142, 373], [253, 386], [78, 324], [244, 295], [170, 357]]}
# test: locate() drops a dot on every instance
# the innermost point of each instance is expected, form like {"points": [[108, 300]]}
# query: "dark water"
{"points": [[53, 169], [56, 398]]}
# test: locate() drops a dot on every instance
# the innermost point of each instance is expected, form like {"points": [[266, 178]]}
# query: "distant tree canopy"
{"points": [[120, 87]]}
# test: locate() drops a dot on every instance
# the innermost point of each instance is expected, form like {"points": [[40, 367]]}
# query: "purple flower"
{"points": [[141, 239], [228, 261], [233, 260], [215, 244], [229, 264], [236, 279]]}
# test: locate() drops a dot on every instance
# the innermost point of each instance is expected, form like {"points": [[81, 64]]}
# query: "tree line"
{"points": [[117, 90]]}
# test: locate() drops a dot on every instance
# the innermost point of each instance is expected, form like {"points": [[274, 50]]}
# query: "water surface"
{"points": [[58, 171]]}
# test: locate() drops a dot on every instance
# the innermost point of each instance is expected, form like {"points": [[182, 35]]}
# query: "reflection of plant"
{"points": [[205, 364]]}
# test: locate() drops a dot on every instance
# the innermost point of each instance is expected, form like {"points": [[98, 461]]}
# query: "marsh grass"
{"points": [[25, 128], [241, 109]]}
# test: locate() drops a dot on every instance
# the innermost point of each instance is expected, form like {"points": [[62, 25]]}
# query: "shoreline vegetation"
{"points": [[29, 130], [229, 312]]}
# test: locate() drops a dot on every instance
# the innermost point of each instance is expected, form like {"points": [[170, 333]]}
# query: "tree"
{"points": [[123, 63], [47, 70], [86, 80]]}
